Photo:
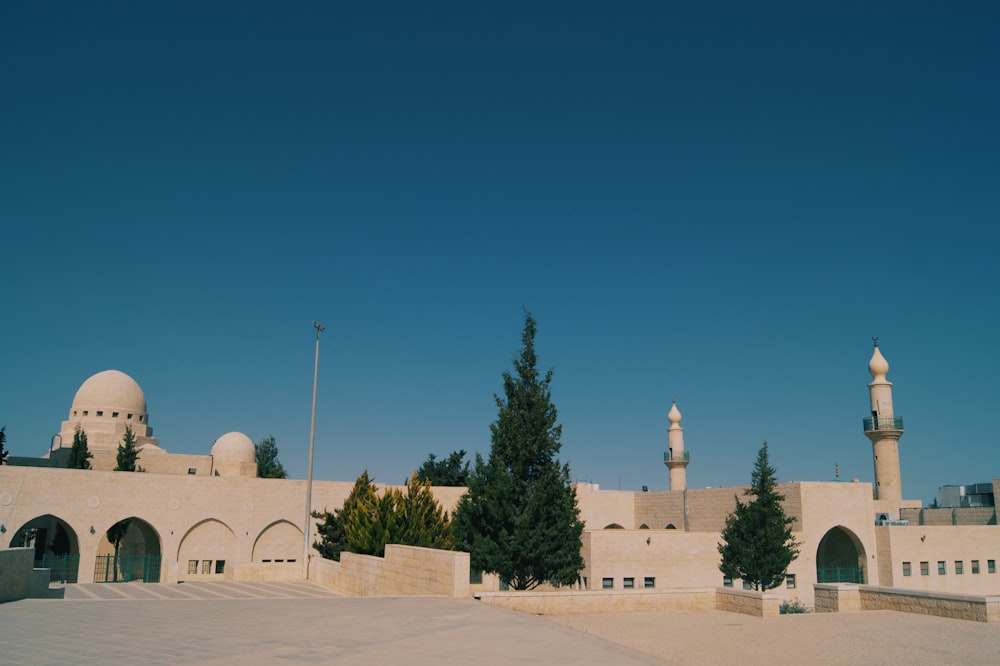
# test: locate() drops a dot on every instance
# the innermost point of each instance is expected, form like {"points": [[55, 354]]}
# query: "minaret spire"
{"points": [[884, 429], [676, 458]]}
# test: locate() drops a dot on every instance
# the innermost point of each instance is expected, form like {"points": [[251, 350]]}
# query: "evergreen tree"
{"points": [[332, 536], [127, 453], [115, 534], [79, 455], [520, 518], [448, 472], [268, 466], [758, 544], [422, 520], [3, 449]]}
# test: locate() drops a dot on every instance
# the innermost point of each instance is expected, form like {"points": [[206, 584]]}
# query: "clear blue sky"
{"points": [[718, 202]]}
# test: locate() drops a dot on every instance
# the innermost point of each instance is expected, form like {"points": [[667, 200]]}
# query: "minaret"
{"points": [[676, 459], [884, 429]]}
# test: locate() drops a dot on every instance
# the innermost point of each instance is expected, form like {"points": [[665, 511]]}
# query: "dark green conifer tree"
{"points": [[3, 448], [127, 453], [452, 471], [520, 518], [79, 455], [757, 541], [268, 465]]}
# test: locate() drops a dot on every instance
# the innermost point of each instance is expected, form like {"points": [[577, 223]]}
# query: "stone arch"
{"points": [[281, 541], [56, 545], [139, 554], [840, 557], [613, 526], [205, 550]]}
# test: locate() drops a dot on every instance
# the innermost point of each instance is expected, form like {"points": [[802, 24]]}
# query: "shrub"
{"points": [[793, 607]]}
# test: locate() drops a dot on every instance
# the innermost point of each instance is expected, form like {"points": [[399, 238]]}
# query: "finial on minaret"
{"points": [[875, 340], [836, 470]]}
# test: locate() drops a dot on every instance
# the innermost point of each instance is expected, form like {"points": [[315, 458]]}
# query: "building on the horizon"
{"points": [[204, 517]]}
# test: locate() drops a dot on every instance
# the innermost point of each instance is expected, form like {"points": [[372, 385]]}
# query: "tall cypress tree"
{"points": [[3, 449], [758, 545], [79, 455], [520, 518], [127, 453]]}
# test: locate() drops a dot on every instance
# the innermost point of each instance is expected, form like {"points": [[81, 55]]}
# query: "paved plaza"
{"points": [[264, 623]]}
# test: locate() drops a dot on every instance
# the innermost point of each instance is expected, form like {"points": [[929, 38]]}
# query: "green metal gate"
{"points": [[127, 569], [62, 568], [840, 575]]}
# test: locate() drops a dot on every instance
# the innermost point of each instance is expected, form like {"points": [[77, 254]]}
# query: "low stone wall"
{"points": [[271, 572], [571, 602], [405, 570], [832, 598], [16, 567], [748, 602]]}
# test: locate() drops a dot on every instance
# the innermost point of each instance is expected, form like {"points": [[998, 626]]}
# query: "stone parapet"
{"points": [[405, 570], [16, 573], [570, 602], [834, 598], [837, 597], [747, 602]]}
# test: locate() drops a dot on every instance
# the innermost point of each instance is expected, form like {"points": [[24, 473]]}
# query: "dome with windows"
{"points": [[110, 393]]}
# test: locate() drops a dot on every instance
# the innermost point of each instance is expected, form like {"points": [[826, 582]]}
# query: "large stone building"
{"points": [[204, 517]]}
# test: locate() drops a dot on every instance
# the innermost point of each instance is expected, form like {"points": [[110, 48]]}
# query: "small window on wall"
{"points": [[906, 568], [129, 417], [727, 581], [941, 568], [192, 470], [114, 415], [959, 567], [608, 583], [925, 569], [629, 583], [220, 566], [649, 582], [475, 577], [206, 566], [975, 566], [100, 413], [746, 585], [790, 581], [192, 566], [991, 566]]}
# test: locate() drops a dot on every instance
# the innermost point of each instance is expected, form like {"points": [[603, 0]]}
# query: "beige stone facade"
{"points": [[204, 517]]}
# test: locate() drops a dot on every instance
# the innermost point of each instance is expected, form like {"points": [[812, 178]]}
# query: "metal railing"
{"points": [[840, 575], [882, 423], [669, 455], [127, 569], [62, 568]]}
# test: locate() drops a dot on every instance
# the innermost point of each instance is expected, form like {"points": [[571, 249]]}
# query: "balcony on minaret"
{"points": [[877, 423], [671, 457]]}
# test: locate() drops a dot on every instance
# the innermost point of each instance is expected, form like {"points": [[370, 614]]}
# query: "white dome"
{"points": [[234, 447], [109, 391], [878, 366]]}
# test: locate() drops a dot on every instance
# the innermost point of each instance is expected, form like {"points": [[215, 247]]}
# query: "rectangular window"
{"points": [[608, 583], [746, 585], [790, 581], [975, 566], [192, 470], [192, 566], [206, 566], [906, 568], [941, 569], [629, 583], [475, 577], [114, 415], [585, 583], [220, 566], [129, 417], [959, 567], [100, 413], [991, 566], [924, 569], [649, 582], [727, 581]]}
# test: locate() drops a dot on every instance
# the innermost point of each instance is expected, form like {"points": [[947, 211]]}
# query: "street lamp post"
{"points": [[309, 483]]}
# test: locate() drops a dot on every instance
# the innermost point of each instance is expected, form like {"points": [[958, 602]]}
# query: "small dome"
{"points": [[674, 416], [110, 390], [878, 366], [234, 447]]}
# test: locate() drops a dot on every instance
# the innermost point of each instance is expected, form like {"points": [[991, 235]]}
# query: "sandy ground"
{"points": [[873, 637]]}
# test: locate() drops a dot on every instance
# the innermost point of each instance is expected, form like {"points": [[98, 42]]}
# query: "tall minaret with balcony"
{"points": [[884, 429], [676, 458]]}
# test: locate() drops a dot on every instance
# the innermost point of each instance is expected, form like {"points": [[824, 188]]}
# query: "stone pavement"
{"points": [[264, 623]]}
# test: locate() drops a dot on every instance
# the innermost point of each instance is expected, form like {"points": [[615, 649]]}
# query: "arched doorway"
{"points": [[840, 557], [205, 550], [137, 557], [56, 546]]}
